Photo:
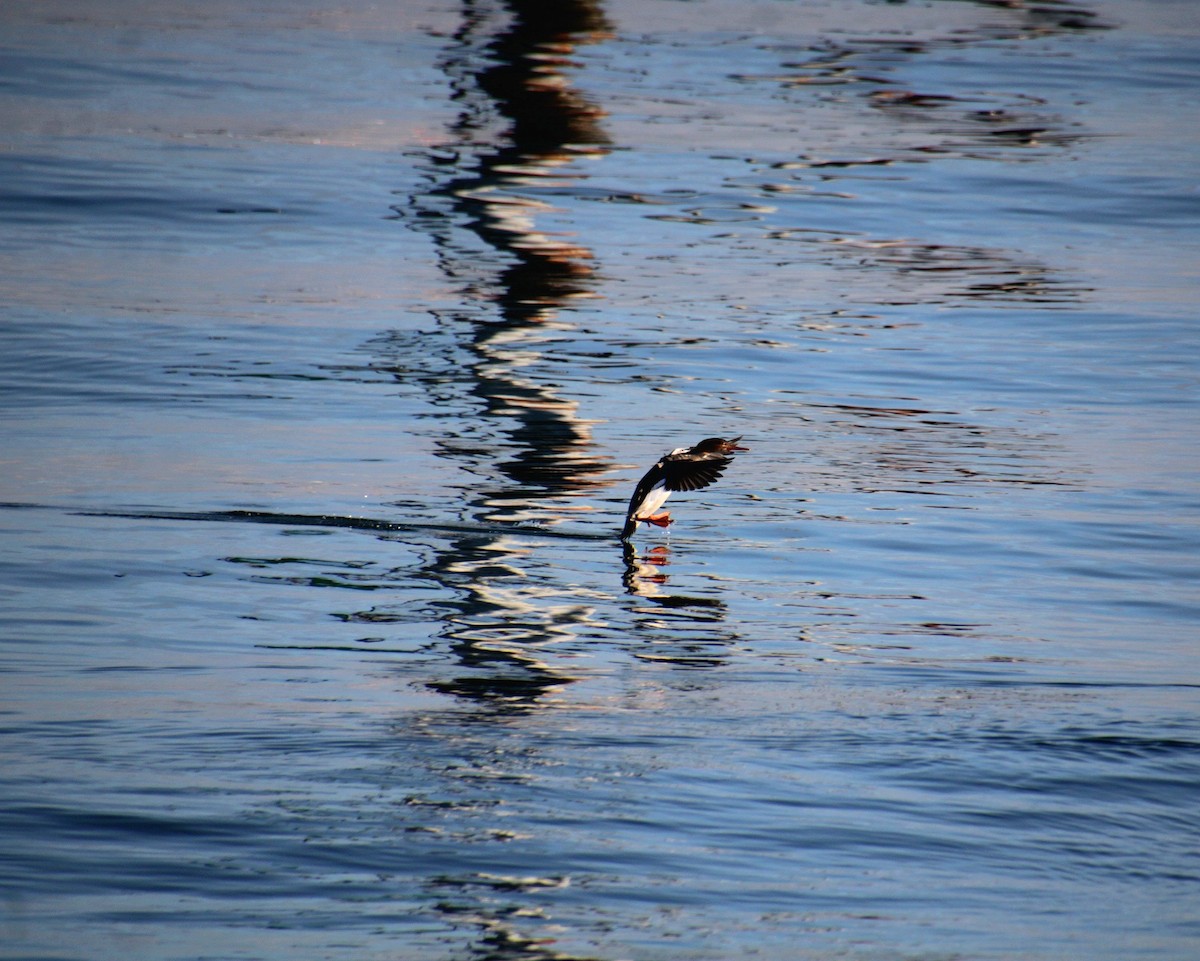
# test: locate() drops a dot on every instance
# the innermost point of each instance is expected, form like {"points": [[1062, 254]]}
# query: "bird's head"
{"points": [[719, 445]]}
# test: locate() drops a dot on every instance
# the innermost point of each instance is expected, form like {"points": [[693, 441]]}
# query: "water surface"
{"points": [[334, 340]]}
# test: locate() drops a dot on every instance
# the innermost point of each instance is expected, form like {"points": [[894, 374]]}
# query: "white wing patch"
{"points": [[654, 500]]}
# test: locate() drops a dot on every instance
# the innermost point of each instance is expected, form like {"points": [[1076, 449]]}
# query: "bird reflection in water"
{"points": [[644, 574]]}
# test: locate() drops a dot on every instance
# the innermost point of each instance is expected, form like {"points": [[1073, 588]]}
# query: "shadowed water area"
{"points": [[333, 342]]}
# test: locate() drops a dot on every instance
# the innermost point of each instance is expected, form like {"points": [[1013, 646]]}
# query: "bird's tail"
{"points": [[630, 528]]}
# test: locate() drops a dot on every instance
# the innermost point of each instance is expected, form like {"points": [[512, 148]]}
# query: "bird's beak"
{"points": [[735, 444]]}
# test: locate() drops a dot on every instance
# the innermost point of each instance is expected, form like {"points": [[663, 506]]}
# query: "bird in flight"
{"points": [[683, 469]]}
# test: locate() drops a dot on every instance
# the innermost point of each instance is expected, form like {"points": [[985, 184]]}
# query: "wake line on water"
{"points": [[324, 520]]}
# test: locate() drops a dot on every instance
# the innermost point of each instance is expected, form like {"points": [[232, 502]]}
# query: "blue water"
{"points": [[333, 341]]}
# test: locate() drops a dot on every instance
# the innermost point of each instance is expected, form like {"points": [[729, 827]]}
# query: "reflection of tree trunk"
{"points": [[481, 210], [527, 82], [518, 75], [549, 124]]}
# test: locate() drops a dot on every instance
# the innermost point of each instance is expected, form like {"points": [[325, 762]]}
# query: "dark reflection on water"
{"points": [[495, 623], [488, 189], [520, 128]]}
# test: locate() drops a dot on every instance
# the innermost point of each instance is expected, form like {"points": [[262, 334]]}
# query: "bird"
{"points": [[683, 469]]}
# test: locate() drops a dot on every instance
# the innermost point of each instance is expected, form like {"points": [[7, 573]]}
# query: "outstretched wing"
{"points": [[691, 472]]}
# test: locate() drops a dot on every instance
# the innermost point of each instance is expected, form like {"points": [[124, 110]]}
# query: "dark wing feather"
{"points": [[692, 472]]}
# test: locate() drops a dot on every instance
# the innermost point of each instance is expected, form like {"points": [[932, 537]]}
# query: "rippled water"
{"points": [[333, 341]]}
